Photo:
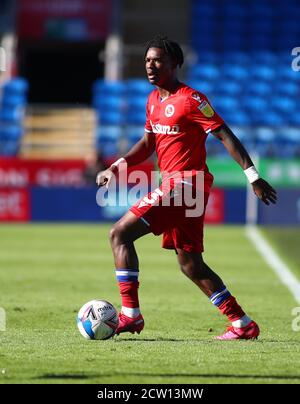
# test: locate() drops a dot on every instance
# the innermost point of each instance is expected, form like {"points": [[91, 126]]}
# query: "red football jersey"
{"points": [[180, 124]]}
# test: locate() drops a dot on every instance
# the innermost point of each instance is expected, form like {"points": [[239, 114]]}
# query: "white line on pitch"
{"points": [[275, 262]]}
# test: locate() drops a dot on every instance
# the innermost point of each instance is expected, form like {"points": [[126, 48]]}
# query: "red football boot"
{"points": [[128, 324], [251, 331]]}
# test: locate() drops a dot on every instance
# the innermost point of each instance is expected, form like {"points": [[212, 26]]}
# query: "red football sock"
{"points": [[129, 294], [231, 309]]}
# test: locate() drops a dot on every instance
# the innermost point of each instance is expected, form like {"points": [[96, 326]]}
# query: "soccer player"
{"points": [[178, 121]]}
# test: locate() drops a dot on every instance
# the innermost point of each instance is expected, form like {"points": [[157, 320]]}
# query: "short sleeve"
{"points": [[201, 112], [148, 127]]}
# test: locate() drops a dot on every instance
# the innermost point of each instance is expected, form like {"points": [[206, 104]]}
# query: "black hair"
{"points": [[170, 47]]}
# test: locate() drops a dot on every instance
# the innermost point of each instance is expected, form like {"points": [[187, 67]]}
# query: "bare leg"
{"points": [[122, 235], [193, 266]]}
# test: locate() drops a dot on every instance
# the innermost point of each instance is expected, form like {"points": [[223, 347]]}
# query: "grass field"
{"points": [[48, 271]]}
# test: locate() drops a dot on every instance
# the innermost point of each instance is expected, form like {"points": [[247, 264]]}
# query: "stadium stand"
{"points": [[13, 99], [256, 87], [242, 65], [58, 132]]}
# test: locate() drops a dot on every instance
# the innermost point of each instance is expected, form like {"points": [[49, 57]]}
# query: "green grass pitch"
{"points": [[48, 271]]}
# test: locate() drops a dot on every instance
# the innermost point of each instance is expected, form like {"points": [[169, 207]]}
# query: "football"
{"points": [[97, 319]]}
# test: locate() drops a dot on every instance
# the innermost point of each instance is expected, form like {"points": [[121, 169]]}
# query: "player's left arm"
{"points": [[262, 189]]}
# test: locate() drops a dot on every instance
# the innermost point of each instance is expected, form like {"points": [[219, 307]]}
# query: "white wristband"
{"points": [[120, 164], [252, 174]]}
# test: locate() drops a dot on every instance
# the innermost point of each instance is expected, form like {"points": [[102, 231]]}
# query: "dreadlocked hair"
{"points": [[170, 47]]}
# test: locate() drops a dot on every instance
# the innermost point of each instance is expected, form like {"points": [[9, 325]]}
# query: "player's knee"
{"points": [[188, 269], [192, 269], [116, 234]]}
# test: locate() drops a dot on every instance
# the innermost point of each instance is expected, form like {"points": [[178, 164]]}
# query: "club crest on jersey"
{"points": [[197, 97], [206, 109], [169, 111]]}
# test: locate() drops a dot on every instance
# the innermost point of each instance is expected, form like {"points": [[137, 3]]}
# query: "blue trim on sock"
{"points": [[129, 276], [220, 296]]}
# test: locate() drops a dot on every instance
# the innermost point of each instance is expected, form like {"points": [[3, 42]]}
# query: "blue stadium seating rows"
{"points": [[244, 25], [244, 65], [13, 99], [259, 102]]}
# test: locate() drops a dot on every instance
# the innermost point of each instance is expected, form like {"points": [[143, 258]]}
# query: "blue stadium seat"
{"points": [[108, 148], [134, 133], [204, 72], [17, 85], [136, 118], [205, 87], [203, 10], [136, 110], [229, 87], [12, 115], [259, 88], [287, 88], [265, 142], [264, 58], [108, 139], [13, 100], [226, 107], [111, 117], [10, 132], [245, 135], [294, 119], [287, 73], [286, 105], [259, 42], [214, 147], [269, 118], [239, 117], [260, 10], [10, 136], [289, 141], [234, 11], [263, 72], [234, 71], [237, 58], [139, 87], [261, 24], [106, 102], [109, 87], [232, 42], [206, 57], [111, 132]]}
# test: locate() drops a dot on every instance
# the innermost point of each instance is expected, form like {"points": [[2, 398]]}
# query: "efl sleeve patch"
{"points": [[206, 109]]}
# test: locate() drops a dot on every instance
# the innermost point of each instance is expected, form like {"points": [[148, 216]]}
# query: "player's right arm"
{"points": [[140, 152]]}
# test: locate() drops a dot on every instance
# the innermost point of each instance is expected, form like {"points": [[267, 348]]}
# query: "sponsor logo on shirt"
{"points": [[165, 129], [169, 111]]}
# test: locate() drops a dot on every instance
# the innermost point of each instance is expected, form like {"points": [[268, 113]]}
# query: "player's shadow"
{"points": [[57, 376], [118, 340], [216, 376]]}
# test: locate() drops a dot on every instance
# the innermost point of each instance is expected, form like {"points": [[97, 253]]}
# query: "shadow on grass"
{"points": [[57, 376]]}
